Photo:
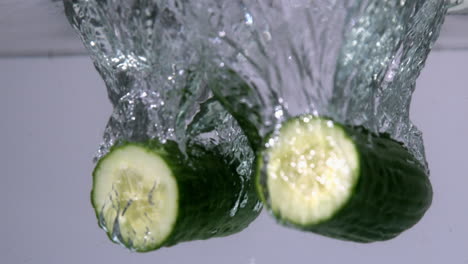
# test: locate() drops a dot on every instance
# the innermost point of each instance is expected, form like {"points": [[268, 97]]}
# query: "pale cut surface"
{"points": [[135, 195], [312, 170]]}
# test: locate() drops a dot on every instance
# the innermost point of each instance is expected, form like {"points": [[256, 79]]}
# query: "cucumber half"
{"points": [[135, 195], [151, 195], [340, 181]]}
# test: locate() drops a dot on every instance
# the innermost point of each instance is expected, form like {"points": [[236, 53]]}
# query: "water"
{"points": [[156, 77], [140, 52], [355, 61], [154, 73]]}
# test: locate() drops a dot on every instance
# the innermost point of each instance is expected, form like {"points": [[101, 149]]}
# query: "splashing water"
{"points": [[154, 71], [355, 61]]}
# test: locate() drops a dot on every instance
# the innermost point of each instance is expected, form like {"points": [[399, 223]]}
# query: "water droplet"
{"points": [[248, 19], [279, 114]]}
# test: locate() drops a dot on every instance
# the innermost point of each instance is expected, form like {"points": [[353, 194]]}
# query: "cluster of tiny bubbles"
{"points": [[308, 165]]}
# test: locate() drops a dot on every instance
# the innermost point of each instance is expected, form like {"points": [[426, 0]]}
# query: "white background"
{"points": [[52, 115]]}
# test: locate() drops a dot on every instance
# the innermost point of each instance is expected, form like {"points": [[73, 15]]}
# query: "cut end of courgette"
{"points": [[312, 170], [135, 196]]}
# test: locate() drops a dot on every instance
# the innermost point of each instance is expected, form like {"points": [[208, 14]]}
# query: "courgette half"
{"points": [[340, 181], [150, 195]]}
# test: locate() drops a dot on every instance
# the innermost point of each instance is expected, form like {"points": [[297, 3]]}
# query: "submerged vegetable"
{"points": [[317, 175], [151, 195], [341, 181]]}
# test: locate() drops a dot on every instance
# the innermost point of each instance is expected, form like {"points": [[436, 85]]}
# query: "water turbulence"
{"points": [[322, 89], [230, 77], [140, 50], [155, 74], [355, 61]]}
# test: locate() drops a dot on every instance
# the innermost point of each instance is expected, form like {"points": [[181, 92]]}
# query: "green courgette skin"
{"points": [[392, 194], [208, 190]]}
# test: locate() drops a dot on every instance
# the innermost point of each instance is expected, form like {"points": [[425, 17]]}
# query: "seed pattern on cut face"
{"points": [[315, 162], [311, 167], [134, 208]]}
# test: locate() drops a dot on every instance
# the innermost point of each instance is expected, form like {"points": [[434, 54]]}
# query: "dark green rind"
{"points": [[208, 189], [391, 195], [232, 91], [393, 191]]}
